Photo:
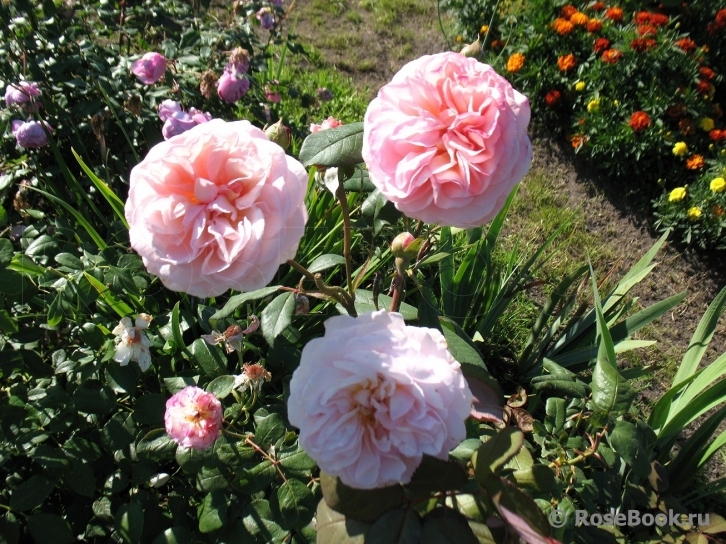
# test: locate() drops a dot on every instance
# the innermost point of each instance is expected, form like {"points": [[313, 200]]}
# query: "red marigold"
{"points": [[707, 73], [676, 110], [694, 162], [579, 19], [721, 17], [717, 135], [578, 140], [642, 17], [566, 62], [601, 44], [553, 97], [496, 44], [594, 25], [704, 87], [568, 11], [562, 26], [614, 14], [647, 30], [658, 19], [598, 6], [611, 56], [639, 121], [642, 44], [687, 44]]}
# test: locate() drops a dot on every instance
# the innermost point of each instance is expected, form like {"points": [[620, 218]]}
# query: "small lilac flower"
{"points": [[272, 96], [149, 68], [266, 18], [168, 108], [21, 94], [232, 85], [31, 134]]}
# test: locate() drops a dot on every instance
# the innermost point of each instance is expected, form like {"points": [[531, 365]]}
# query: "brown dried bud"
{"points": [[133, 104], [97, 125], [240, 56], [302, 304], [472, 50], [208, 84]]}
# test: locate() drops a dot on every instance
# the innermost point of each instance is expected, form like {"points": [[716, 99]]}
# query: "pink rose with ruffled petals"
{"points": [[446, 140], [23, 94], [218, 207], [149, 68], [330, 122], [373, 395], [193, 418]]}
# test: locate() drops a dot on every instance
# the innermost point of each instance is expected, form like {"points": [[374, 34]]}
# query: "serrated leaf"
{"points": [[156, 445], [324, 262], [493, 454], [269, 428], [340, 146], [212, 513], [177, 383], [69, 261], [208, 358], [221, 387], [238, 300], [297, 503], [277, 316], [258, 520], [629, 442]]}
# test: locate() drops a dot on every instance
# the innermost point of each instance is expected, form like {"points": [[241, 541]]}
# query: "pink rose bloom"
{"points": [[330, 122], [266, 18], [149, 68], [21, 94], [233, 85], [218, 207], [193, 418], [373, 395], [31, 134], [446, 140]]}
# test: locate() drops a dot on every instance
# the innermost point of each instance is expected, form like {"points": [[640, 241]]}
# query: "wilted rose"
{"points": [[149, 68]]}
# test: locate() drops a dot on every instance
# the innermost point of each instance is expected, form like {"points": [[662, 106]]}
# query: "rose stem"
{"points": [[300, 268], [397, 288], [340, 193]]}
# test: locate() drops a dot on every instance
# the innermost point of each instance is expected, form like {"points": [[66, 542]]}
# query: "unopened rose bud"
{"points": [[472, 50], [279, 133], [400, 243]]}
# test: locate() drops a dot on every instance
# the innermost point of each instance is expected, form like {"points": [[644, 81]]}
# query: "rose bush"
{"points": [[218, 207], [446, 140]]}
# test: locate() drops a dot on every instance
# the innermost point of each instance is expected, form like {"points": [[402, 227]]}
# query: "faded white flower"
{"points": [[252, 377], [232, 336], [131, 342]]}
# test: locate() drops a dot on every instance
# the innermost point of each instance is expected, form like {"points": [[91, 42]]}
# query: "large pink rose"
{"points": [[193, 418], [373, 395], [446, 140], [218, 207]]}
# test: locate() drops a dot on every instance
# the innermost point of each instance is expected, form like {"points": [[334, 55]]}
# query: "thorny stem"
{"points": [[419, 228], [300, 268], [266, 456], [592, 450], [397, 288], [340, 193], [338, 293]]}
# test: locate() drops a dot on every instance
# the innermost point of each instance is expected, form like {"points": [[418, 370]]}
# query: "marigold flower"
{"points": [[497, 44], [459, 39], [639, 121], [484, 29], [598, 6], [676, 110], [131, 342], [553, 97], [580, 86], [601, 44], [568, 11], [706, 124], [686, 44], [642, 18], [579, 19], [615, 14], [721, 17], [677, 194], [680, 149], [694, 213], [686, 126], [562, 26], [593, 105], [578, 140], [647, 30], [594, 25], [611, 56], [717, 135], [694, 162], [515, 62], [705, 88], [566, 62], [658, 19], [707, 73], [718, 185], [642, 44]]}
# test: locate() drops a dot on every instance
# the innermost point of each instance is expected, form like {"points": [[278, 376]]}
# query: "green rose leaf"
{"points": [[50, 529], [149, 409], [31, 493], [277, 316], [365, 505], [340, 146], [446, 526], [208, 358], [92, 397], [630, 442], [221, 387], [269, 428], [399, 526], [297, 503], [6, 252], [238, 300], [156, 445], [436, 475], [335, 528], [324, 262], [212, 513], [130, 522], [493, 454]]}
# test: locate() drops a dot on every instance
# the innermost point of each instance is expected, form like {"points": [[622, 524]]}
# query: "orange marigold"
{"points": [[687, 44], [658, 19], [601, 44], [568, 11], [695, 162], [553, 97], [647, 30], [515, 62], [614, 14], [718, 211], [496, 44], [579, 19], [642, 44], [642, 18], [594, 25], [707, 73], [562, 26], [598, 6], [566, 62], [717, 135], [611, 56], [639, 121], [578, 140]]}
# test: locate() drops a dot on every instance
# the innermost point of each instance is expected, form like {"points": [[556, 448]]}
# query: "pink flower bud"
{"points": [[149, 68], [232, 86], [21, 94], [330, 122], [168, 108], [193, 418], [31, 133], [272, 96], [400, 243], [266, 18]]}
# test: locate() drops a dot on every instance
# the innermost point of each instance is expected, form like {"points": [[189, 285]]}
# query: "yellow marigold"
{"points": [[677, 194], [580, 86], [707, 124], [616, 103], [718, 185], [694, 213], [484, 29], [694, 162], [460, 39], [515, 62], [579, 19], [680, 149], [593, 105]]}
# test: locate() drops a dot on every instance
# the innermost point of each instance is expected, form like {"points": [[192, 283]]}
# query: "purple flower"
{"points": [[200, 117], [31, 133], [21, 94], [278, 3], [168, 108], [232, 85], [149, 68], [266, 18], [181, 121]]}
